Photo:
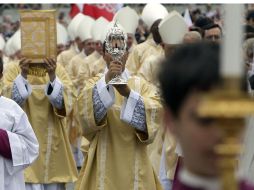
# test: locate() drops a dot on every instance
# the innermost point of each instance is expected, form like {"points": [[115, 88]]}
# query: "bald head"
{"points": [[192, 37]]}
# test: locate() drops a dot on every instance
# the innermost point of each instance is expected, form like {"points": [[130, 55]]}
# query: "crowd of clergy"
{"points": [[71, 126]]}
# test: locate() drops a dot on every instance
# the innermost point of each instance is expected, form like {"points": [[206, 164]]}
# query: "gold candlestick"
{"points": [[229, 106]]}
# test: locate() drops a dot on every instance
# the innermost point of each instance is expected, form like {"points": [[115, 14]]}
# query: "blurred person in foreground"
{"points": [[191, 71], [19, 147]]}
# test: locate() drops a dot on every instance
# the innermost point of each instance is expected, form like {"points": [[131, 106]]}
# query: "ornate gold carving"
{"points": [[232, 106], [38, 34]]}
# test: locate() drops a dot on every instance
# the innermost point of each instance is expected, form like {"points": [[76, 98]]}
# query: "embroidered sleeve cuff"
{"points": [[23, 86], [53, 83], [55, 93], [128, 106], [99, 109], [106, 93], [57, 85]]}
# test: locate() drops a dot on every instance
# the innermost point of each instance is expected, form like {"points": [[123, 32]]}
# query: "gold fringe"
{"points": [[37, 71]]}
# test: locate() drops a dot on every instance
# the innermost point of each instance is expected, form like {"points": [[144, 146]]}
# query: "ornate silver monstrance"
{"points": [[116, 46]]}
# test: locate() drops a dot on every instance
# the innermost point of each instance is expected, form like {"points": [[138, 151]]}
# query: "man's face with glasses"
{"points": [[213, 34]]}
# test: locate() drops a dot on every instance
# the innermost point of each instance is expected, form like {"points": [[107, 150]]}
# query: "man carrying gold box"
{"points": [[46, 94]]}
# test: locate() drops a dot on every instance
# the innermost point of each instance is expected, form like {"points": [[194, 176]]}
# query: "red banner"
{"points": [[75, 9], [95, 10]]}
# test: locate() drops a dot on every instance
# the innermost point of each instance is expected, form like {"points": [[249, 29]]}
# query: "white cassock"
{"points": [[23, 144]]}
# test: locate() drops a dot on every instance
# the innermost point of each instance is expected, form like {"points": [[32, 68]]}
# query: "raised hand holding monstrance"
{"points": [[116, 46]]}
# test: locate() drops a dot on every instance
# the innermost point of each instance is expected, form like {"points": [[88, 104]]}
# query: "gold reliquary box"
{"points": [[38, 37]]}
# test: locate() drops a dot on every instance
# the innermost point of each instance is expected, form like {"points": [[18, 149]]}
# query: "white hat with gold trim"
{"points": [[153, 12], [128, 18], [15, 44], [73, 26], [173, 28], [62, 35], [84, 30], [98, 29]]}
